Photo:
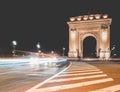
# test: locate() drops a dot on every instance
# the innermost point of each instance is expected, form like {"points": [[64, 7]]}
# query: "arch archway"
{"points": [[97, 26], [89, 50], [81, 45]]}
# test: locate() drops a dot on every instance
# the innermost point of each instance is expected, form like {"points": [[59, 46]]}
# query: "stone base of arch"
{"points": [[105, 54], [73, 54], [101, 55]]}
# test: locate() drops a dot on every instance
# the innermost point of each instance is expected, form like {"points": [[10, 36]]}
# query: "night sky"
{"points": [[45, 21]]}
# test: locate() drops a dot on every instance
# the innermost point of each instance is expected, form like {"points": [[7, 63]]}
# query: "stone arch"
{"points": [[97, 26]]}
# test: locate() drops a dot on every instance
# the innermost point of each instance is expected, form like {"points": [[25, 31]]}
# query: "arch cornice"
{"points": [[100, 21]]}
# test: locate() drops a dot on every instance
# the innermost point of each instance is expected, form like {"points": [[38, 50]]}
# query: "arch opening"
{"points": [[89, 47]]}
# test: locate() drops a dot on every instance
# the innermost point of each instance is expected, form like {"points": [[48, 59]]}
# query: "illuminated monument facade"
{"points": [[97, 26]]}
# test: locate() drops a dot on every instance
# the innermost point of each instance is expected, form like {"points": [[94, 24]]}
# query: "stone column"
{"points": [[105, 42], [72, 43]]}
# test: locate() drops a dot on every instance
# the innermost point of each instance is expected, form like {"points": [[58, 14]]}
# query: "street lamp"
{"points": [[113, 50], [52, 52], [14, 44], [63, 51], [38, 47]]}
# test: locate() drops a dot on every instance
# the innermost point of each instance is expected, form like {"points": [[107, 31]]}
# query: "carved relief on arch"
{"points": [[104, 26]]}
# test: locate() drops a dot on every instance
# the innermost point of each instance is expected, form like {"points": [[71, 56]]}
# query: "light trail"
{"points": [[40, 84]]}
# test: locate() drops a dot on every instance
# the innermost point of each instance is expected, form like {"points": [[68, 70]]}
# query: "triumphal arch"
{"points": [[95, 25]]}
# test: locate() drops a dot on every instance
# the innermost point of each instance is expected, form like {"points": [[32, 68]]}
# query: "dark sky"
{"points": [[45, 21]]}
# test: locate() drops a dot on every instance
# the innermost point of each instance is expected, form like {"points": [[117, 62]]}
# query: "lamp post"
{"points": [[113, 51], [38, 47], [99, 51], [14, 44], [63, 51]]}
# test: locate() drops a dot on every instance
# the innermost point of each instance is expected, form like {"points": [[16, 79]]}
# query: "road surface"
{"points": [[21, 75]]}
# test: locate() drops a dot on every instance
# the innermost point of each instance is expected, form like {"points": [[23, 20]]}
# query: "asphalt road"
{"points": [[19, 76], [79, 76]]}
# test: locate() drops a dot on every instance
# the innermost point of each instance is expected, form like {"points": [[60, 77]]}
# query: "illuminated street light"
{"points": [[52, 52], [113, 51], [63, 51], [14, 44], [113, 48], [38, 47]]}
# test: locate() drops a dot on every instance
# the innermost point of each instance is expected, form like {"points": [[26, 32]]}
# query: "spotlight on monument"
{"points": [[85, 17], [79, 18], [91, 17], [105, 16], [97, 16], [72, 19]]}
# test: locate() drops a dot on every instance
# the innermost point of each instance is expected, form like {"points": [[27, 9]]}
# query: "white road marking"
{"points": [[77, 78], [91, 66], [82, 68], [40, 84], [33, 74], [76, 74], [109, 89], [68, 86], [7, 72], [82, 71]]}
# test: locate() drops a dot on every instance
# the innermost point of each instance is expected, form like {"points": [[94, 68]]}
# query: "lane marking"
{"points": [[82, 68], [63, 87], [42, 83], [80, 74], [7, 72], [76, 78], [82, 71], [33, 74], [109, 89]]}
